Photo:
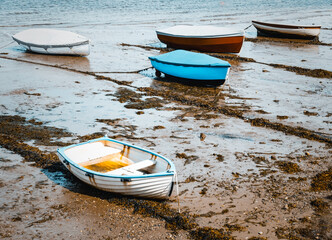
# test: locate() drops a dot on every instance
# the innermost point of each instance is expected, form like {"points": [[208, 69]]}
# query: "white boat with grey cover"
{"points": [[53, 41]]}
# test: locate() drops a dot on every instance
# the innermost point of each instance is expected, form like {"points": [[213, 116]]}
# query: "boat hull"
{"points": [[53, 41], [81, 50], [287, 31], [192, 74], [219, 44], [190, 67], [157, 185]]}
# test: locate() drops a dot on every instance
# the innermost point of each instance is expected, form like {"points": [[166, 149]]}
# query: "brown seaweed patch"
{"points": [[158, 127], [232, 112], [153, 102], [288, 167], [282, 117], [317, 73], [203, 191], [319, 205], [296, 131], [141, 46], [32, 94], [265, 172], [100, 77], [188, 159], [310, 113], [322, 181], [111, 122], [259, 159], [220, 157], [117, 123], [303, 233], [127, 95], [257, 238], [161, 210], [298, 179], [6, 168], [91, 136], [140, 112], [261, 111], [22, 129], [190, 179], [232, 57], [286, 40], [205, 116], [30, 154], [192, 101], [208, 233]]}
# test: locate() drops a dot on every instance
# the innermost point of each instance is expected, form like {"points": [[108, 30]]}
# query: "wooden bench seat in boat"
{"points": [[133, 169], [92, 153], [99, 160]]}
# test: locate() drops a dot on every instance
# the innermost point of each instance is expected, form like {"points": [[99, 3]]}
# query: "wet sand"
{"points": [[253, 155]]}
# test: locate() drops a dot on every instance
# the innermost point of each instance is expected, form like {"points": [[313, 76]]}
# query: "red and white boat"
{"points": [[286, 30], [202, 38]]}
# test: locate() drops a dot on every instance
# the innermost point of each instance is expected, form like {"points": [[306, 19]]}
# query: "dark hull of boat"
{"points": [[269, 33], [193, 82]]}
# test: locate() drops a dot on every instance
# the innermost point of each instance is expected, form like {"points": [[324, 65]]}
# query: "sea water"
{"points": [[240, 12]]}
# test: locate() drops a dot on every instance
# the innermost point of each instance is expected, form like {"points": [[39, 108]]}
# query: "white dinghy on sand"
{"points": [[53, 41], [119, 167]]}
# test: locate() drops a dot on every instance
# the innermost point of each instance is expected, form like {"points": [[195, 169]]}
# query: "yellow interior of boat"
{"points": [[107, 163]]}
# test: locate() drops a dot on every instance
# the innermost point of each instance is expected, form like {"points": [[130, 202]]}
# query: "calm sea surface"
{"points": [[66, 13]]}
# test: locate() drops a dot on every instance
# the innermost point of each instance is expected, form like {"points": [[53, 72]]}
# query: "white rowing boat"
{"points": [[286, 30], [52, 41], [118, 167]]}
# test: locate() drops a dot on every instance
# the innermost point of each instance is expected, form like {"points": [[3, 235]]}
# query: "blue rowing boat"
{"points": [[191, 67]]}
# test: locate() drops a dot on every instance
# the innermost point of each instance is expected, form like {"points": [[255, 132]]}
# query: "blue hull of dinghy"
{"points": [[192, 66]]}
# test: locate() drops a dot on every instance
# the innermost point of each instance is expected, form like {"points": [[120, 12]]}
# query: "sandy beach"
{"points": [[253, 155]]}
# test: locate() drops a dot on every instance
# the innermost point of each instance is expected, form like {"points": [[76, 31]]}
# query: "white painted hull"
{"points": [[81, 50], [158, 184], [51, 41]]}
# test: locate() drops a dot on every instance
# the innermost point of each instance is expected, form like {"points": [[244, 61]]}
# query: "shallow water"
{"points": [[104, 14]]}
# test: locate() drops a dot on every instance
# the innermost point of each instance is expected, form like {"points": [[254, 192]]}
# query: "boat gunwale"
{"points": [[220, 36], [86, 42], [189, 64], [285, 26], [170, 172]]}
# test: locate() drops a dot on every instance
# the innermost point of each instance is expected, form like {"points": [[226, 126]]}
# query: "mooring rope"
{"points": [[6, 45], [177, 191], [247, 27]]}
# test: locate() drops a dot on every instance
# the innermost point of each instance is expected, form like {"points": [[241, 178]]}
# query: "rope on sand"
{"points": [[177, 191], [247, 27], [6, 45]]}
